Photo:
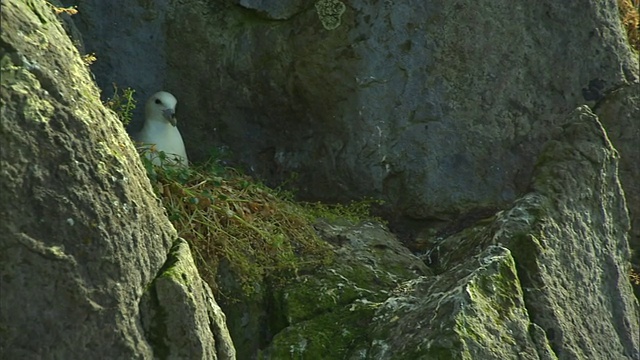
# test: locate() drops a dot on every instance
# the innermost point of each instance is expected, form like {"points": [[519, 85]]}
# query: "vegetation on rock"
{"points": [[630, 17]]}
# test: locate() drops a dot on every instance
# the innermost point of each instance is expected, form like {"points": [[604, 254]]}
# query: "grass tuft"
{"points": [[227, 216]]}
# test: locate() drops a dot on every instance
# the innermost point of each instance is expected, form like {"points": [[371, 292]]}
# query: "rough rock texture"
{"points": [[328, 313], [547, 278], [275, 10], [324, 314], [569, 241], [620, 114], [172, 310], [474, 310], [437, 107], [82, 236]]}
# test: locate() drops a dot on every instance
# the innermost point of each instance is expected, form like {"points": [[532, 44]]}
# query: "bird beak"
{"points": [[170, 115]]}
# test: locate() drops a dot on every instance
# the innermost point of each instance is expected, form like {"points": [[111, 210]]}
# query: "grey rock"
{"points": [[547, 278], [180, 315], [476, 310], [128, 40], [275, 10], [82, 233], [436, 107], [619, 113], [578, 248], [326, 314], [568, 238]]}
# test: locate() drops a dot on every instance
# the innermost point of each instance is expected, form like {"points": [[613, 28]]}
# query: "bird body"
{"points": [[159, 132]]}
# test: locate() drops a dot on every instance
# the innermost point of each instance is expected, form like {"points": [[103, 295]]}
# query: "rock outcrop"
{"points": [[437, 108], [440, 109], [619, 113], [83, 238], [546, 278]]}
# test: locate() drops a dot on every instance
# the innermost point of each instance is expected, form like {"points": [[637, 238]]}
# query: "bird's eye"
{"points": [[158, 101]]}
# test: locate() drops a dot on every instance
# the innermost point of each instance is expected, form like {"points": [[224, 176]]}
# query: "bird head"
{"points": [[162, 105]]}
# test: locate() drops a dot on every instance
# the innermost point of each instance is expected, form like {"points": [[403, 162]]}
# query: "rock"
{"points": [[476, 310], [324, 314], [547, 278], [568, 238], [619, 113], [129, 43], [83, 237], [437, 108], [174, 317], [275, 10]]}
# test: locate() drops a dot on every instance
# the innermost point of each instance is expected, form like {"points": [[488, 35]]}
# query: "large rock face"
{"points": [[546, 278], [436, 107], [83, 238], [619, 113]]}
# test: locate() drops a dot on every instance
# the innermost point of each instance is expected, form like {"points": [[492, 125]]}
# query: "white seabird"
{"points": [[159, 132]]}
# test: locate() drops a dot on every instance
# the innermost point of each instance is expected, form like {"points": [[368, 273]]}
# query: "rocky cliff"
{"points": [[90, 265], [439, 108]]}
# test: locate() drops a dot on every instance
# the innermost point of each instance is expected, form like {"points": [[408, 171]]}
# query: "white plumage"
{"points": [[160, 132]]}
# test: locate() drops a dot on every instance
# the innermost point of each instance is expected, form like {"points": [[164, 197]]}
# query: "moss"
{"points": [[495, 303], [156, 331], [172, 267], [334, 335], [312, 296]]}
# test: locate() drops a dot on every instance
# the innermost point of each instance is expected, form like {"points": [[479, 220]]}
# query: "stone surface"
{"points": [[83, 236], [324, 313], [619, 113], [569, 241], [547, 278], [128, 40], [180, 314], [437, 108], [475, 310], [275, 10]]}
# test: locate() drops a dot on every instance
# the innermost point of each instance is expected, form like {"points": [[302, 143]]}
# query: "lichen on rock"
{"points": [[330, 13]]}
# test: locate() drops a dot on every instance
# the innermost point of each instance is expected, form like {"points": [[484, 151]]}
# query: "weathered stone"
{"points": [[436, 107], [275, 10], [547, 278], [569, 241], [619, 113], [82, 234], [128, 40], [475, 310], [325, 314], [180, 315], [439, 108]]}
